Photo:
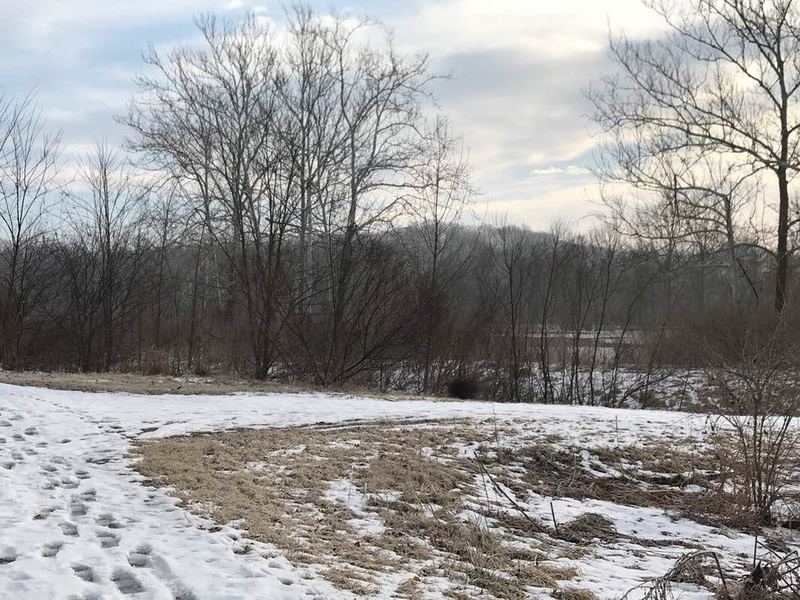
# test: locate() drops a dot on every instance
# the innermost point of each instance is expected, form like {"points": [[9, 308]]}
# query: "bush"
{"points": [[464, 388], [759, 441]]}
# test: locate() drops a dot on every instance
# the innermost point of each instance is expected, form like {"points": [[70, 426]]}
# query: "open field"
{"points": [[349, 496]]}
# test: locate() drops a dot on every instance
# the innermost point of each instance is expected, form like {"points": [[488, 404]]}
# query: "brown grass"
{"points": [[138, 383], [431, 498], [135, 383], [273, 483]]}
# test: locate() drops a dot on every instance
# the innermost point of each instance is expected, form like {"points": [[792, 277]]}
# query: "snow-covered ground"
{"points": [[77, 521]]}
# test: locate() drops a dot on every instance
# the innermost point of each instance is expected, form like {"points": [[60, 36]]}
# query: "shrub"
{"points": [[759, 440], [464, 388]]}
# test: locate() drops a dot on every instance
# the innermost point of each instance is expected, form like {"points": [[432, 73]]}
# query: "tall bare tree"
{"points": [[379, 95], [724, 81], [28, 178], [107, 243], [443, 196], [212, 118]]}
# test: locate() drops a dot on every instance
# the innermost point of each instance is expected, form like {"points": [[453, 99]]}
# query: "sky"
{"points": [[519, 70]]}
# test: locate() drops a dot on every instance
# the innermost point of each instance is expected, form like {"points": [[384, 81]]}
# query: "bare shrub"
{"points": [[756, 436], [776, 580]]}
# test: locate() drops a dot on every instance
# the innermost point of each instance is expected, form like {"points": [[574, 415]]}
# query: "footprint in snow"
{"points": [[50, 549], [31, 431], [86, 596], [179, 590], [8, 464], [126, 581], [81, 474], [42, 514], [69, 529], [5, 423], [89, 495], [69, 483], [49, 468], [18, 437], [84, 572], [8, 554], [108, 539], [139, 559], [108, 520], [78, 509]]}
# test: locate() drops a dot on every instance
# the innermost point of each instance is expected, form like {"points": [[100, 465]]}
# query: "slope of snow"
{"points": [[76, 521]]}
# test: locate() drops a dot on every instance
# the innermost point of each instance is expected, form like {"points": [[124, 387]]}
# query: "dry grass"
{"points": [[273, 484], [430, 497], [137, 383], [650, 474]]}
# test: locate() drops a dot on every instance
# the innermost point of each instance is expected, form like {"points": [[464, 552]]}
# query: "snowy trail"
{"points": [[77, 522]]}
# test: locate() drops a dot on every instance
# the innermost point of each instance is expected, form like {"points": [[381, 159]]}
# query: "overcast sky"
{"points": [[519, 70]]}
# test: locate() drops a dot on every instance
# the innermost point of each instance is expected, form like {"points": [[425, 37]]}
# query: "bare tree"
{"points": [[514, 253], [28, 178], [212, 118], [725, 81], [758, 441], [379, 94], [443, 196], [106, 251], [356, 111], [698, 201]]}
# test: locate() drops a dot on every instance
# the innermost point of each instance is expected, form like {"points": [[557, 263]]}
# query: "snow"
{"points": [[344, 492], [76, 521], [651, 524]]}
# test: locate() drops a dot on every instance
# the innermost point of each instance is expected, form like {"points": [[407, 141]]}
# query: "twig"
{"points": [[659, 587], [503, 492]]}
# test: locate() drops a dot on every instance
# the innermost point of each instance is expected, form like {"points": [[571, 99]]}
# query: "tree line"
{"points": [[291, 205]]}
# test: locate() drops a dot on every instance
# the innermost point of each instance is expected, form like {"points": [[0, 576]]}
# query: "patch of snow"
{"points": [[345, 492]]}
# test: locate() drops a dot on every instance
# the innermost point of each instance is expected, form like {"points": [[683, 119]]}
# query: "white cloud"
{"points": [[570, 170], [547, 28], [519, 70]]}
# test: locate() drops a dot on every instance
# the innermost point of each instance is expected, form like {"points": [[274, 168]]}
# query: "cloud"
{"points": [[518, 67], [548, 29], [522, 116], [519, 71], [569, 170]]}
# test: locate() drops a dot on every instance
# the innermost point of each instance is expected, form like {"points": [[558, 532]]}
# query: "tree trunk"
{"points": [[783, 234]]}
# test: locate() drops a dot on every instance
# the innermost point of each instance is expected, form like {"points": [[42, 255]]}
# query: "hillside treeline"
{"points": [[291, 206]]}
